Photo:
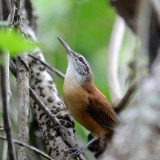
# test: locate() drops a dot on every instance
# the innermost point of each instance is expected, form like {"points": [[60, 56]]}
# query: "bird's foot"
{"points": [[77, 151]]}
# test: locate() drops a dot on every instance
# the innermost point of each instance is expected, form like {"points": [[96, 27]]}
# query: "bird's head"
{"points": [[78, 66]]}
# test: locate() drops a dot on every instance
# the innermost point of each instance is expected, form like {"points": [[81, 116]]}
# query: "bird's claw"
{"points": [[76, 151]]}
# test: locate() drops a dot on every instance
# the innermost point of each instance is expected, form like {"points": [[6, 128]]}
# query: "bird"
{"points": [[85, 102]]}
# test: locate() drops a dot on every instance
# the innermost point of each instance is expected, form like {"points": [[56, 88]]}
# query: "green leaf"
{"points": [[14, 43]]}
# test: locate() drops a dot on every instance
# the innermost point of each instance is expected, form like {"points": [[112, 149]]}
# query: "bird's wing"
{"points": [[99, 109]]}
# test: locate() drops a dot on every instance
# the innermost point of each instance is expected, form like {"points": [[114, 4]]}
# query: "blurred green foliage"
{"points": [[14, 43]]}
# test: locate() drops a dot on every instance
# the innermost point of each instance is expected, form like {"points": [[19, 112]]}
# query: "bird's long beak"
{"points": [[67, 48]]}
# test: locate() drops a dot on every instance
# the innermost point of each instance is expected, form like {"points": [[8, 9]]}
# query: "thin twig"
{"points": [[112, 60], [43, 107], [5, 100], [49, 66], [29, 147], [124, 101]]}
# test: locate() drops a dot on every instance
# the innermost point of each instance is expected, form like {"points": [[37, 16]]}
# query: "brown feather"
{"points": [[100, 110], [89, 107]]}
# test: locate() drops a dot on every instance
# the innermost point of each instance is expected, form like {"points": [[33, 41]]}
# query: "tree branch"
{"points": [[23, 104], [124, 101], [58, 127], [119, 102], [112, 60], [29, 147], [49, 66], [5, 100]]}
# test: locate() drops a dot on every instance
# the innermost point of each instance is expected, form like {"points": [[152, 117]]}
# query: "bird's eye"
{"points": [[80, 59]]}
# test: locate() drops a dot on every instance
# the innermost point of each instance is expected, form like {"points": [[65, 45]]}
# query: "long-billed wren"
{"points": [[84, 101]]}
